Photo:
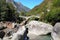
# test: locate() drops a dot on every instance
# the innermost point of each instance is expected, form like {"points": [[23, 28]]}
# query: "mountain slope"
{"points": [[49, 11], [44, 6], [18, 6]]}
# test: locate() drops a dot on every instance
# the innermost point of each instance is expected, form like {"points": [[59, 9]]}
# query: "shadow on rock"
{"points": [[2, 34], [25, 37]]}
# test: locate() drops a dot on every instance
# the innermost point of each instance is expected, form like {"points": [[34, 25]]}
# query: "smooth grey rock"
{"points": [[17, 35], [1, 39], [56, 32], [36, 28], [7, 38]]}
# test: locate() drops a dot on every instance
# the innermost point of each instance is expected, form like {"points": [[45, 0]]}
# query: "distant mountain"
{"points": [[20, 7], [41, 8]]}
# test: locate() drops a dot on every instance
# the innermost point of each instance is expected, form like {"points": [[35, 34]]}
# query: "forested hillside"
{"points": [[43, 7], [48, 10]]}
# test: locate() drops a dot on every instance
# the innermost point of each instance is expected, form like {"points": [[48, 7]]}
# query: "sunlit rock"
{"points": [[56, 32], [7, 38], [36, 28]]}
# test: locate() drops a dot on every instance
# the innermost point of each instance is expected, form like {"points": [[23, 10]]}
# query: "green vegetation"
{"points": [[40, 8], [2, 9], [49, 11], [11, 14], [56, 3], [54, 15], [8, 12], [34, 18], [22, 13]]}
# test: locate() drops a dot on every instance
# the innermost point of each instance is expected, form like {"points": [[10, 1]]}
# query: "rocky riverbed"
{"points": [[32, 30]]}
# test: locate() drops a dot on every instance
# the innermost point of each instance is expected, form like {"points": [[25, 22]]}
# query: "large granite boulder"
{"points": [[36, 31], [36, 28], [56, 32]]}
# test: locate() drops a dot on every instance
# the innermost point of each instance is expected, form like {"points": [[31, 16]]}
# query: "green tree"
{"points": [[7, 11], [11, 13], [53, 16], [56, 3], [2, 9], [22, 13]]}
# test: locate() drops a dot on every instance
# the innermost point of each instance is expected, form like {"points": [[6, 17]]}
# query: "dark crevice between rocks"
{"points": [[45, 34], [2, 28], [2, 34], [25, 37]]}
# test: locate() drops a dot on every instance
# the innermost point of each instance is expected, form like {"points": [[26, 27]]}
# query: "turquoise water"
{"points": [[45, 37]]}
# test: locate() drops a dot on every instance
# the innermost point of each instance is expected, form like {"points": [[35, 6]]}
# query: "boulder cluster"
{"points": [[33, 30]]}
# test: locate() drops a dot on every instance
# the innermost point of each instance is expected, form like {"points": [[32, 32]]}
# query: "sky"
{"points": [[30, 3]]}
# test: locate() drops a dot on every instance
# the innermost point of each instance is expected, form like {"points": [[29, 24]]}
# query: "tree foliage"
{"points": [[7, 11], [54, 15], [56, 3], [2, 9]]}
